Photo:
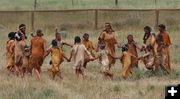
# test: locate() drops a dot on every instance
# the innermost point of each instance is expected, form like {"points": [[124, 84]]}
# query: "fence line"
{"points": [[156, 11]]}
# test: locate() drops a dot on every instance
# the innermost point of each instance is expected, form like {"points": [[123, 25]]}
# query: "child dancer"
{"points": [[126, 62], [132, 48], [18, 46], [10, 55], [148, 58], [162, 57], [89, 46], [104, 61], [78, 53], [57, 55]]}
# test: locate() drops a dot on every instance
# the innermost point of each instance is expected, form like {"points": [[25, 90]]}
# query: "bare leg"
{"points": [[37, 73], [83, 74], [17, 69], [77, 74], [109, 66], [105, 74], [110, 74], [22, 71], [84, 65], [53, 75], [8, 69], [60, 76]]}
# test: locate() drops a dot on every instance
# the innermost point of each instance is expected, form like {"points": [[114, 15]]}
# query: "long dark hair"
{"points": [[109, 26], [11, 36], [146, 36], [20, 28]]}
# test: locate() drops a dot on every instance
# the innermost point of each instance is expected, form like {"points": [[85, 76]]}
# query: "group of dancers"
{"points": [[22, 58]]}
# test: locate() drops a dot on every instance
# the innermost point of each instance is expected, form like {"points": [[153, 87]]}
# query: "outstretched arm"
{"points": [[98, 56], [68, 44], [94, 47], [145, 55], [97, 48], [137, 46], [71, 54], [64, 56], [118, 45], [112, 56], [121, 56], [47, 53]]}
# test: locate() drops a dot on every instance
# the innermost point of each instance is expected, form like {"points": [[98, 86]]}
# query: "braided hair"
{"points": [[146, 36]]}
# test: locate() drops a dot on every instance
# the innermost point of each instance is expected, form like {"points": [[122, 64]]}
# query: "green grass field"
{"points": [[142, 85]]}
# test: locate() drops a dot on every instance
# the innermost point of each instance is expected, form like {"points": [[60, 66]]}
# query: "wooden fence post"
{"points": [[116, 2], [35, 4], [72, 2], [32, 20], [157, 18], [96, 19]]}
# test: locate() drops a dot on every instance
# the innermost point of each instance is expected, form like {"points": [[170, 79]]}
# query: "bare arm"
{"points": [[64, 56], [68, 44], [97, 46], [88, 52], [118, 45], [30, 47], [11, 48], [98, 56], [71, 53], [112, 56], [137, 47], [47, 52], [145, 55], [121, 56], [160, 48], [94, 47], [133, 56]]}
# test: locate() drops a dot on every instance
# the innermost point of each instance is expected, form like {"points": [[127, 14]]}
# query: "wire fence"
{"points": [[89, 18]]}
